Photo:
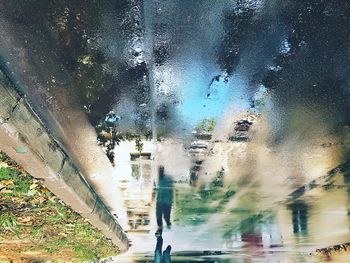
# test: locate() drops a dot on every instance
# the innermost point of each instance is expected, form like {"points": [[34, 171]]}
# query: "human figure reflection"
{"points": [[194, 177], [164, 198], [160, 257]]}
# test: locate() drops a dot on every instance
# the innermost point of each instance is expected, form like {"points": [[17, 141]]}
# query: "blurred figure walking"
{"points": [[165, 194]]}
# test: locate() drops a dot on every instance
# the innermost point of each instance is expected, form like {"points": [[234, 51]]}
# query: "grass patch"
{"points": [[38, 222]]}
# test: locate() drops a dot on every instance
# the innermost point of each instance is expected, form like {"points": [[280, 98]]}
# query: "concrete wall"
{"points": [[25, 139]]}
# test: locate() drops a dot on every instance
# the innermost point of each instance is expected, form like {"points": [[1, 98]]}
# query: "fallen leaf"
{"points": [[7, 182], [5, 165], [41, 199], [17, 200], [33, 186], [25, 219], [31, 192]]}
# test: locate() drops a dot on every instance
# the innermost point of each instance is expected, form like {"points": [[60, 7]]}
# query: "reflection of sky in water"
{"points": [[197, 105]]}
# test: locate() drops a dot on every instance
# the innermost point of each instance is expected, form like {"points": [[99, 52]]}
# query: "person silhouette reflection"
{"points": [[164, 198], [158, 256]]}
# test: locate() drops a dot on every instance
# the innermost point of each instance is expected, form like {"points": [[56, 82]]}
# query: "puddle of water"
{"points": [[245, 104], [252, 219]]}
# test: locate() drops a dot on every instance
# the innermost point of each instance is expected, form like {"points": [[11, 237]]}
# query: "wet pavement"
{"points": [[245, 103], [265, 213]]}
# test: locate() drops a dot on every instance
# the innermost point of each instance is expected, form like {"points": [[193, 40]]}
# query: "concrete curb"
{"points": [[25, 139]]}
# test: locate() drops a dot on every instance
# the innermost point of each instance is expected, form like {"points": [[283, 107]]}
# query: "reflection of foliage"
{"points": [[207, 125], [72, 25], [109, 137], [247, 223], [219, 179], [194, 209], [73, 30], [135, 171], [317, 40], [237, 24], [260, 102], [139, 144], [195, 206]]}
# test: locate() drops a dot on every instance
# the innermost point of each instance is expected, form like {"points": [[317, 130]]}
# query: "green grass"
{"points": [[8, 221], [30, 212], [8, 173]]}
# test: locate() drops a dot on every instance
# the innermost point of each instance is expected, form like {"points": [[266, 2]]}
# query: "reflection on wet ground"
{"points": [[246, 103], [165, 195], [222, 213]]}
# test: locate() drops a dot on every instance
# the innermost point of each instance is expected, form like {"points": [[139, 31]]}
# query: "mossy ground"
{"points": [[36, 226]]}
